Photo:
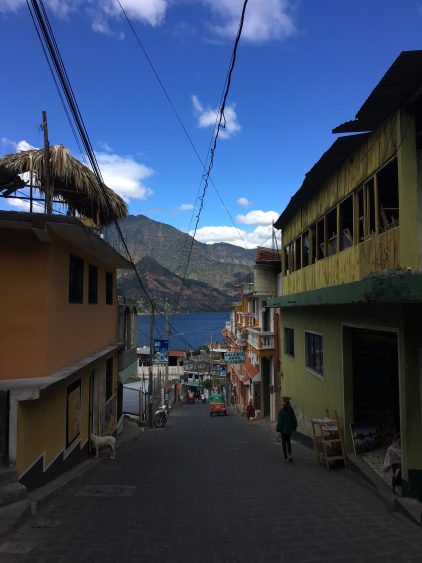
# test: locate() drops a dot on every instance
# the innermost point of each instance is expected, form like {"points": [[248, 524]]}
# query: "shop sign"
{"points": [[234, 357]]}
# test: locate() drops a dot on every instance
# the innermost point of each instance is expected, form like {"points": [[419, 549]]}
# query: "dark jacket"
{"points": [[286, 423]]}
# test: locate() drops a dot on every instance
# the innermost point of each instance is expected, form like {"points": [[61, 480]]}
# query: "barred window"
{"points": [[314, 352]]}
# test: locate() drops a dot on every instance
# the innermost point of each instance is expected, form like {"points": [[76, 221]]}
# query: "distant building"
{"points": [[252, 331], [67, 343]]}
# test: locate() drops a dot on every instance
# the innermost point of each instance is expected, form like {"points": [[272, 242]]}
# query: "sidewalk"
{"points": [[40, 496], [407, 506]]}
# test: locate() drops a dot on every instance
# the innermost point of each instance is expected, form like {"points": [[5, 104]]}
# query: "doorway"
{"points": [[266, 382], [93, 402], [376, 381], [4, 426]]}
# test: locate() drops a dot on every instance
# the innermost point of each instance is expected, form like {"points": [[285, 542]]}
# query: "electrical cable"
{"points": [[203, 164], [212, 152], [59, 66]]}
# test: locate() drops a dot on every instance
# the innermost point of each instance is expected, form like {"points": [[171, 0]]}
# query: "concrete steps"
{"points": [[15, 506]]}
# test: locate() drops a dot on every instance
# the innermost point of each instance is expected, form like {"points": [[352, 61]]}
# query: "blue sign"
{"points": [[161, 351], [223, 371]]}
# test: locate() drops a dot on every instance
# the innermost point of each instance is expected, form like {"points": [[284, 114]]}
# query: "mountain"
{"points": [[162, 285], [220, 266]]}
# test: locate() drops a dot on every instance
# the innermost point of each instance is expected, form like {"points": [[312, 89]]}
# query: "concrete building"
{"points": [[251, 332], [64, 349]]}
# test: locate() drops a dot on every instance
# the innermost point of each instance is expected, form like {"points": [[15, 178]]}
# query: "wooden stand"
{"points": [[328, 439]]}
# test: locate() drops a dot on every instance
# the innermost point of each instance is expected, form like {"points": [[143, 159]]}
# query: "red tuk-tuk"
{"points": [[217, 404]]}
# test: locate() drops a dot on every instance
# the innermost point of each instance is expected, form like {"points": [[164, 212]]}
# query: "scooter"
{"points": [[160, 417]]}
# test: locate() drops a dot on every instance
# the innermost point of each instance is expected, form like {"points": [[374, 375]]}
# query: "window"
{"points": [[109, 288], [312, 232], [320, 239], [346, 223], [109, 379], [305, 249], [388, 196], [298, 254], [76, 279], [93, 284], [289, 342], [314, 352], [331, 225]]}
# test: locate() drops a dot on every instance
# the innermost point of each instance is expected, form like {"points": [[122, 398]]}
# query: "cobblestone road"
{"points": [[214, 489]]}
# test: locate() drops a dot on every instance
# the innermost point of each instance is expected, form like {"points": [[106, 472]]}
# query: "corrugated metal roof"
{"points": [[320, 172], [401, 81]]}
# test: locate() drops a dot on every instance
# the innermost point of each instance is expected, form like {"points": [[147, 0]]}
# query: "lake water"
{"points": [[189, 330]]}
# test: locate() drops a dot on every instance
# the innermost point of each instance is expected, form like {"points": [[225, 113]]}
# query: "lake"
{"points": [[189, 330]]}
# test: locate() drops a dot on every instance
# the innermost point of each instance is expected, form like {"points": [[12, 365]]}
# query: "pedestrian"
{"points": [[286, 424], [250, 411], [232, 399]]}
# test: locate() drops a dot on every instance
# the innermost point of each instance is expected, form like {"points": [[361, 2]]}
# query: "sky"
{"points": [[302, 68]]}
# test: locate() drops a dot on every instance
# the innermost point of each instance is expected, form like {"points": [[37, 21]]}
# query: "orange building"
{"points": [[61, 342]]}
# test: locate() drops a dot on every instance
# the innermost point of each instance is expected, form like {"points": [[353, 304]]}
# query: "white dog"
{"points": [[100, 442]]}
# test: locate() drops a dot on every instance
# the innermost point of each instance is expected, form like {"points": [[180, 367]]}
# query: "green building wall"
{"points": [[312, 394]]}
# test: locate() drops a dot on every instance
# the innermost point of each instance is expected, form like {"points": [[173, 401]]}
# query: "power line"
{"points": [[215, 131], [212, 152], [60, 68]]}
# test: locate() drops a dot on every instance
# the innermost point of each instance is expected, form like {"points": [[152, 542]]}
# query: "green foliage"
{"points": [[207, 384]]}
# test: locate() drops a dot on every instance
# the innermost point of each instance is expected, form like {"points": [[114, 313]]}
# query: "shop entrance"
{"points": [[376, 381], [4, 426]]}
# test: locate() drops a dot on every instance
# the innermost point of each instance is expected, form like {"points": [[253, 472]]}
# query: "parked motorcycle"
{"points": [[160, 417]]}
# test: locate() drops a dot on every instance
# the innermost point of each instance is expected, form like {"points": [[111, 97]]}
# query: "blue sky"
{"points": [[303, 67]]}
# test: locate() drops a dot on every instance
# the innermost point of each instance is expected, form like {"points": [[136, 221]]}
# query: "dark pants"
{"points": [[287, 446]]}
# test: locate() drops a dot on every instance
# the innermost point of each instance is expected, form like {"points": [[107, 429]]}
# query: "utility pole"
{"points": [[166, 378], [151, 355], [48, 188]]}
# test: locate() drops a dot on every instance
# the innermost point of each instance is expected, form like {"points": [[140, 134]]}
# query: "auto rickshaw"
{"points": [[217, 404]]}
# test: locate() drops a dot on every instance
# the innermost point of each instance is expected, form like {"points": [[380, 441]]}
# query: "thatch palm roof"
{"points": [[74, 184]]}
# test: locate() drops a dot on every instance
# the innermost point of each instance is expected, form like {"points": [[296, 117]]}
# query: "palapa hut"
{"points": [[73, 184]]}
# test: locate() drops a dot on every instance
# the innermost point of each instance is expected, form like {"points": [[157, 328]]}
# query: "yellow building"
{"points": [[351, 283], [62, 346]]}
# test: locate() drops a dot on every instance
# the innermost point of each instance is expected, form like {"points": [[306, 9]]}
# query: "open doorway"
{"points": [[376, 381], [93, 403]]}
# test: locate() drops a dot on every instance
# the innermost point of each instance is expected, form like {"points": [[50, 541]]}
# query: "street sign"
{"points": [[234, 357], [223, 371], [161, 349]]}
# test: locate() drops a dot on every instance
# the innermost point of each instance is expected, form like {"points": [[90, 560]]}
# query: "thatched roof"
{"points": [[74, 184]]}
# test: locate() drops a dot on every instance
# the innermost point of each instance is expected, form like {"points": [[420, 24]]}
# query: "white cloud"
{"points": [[208, 118], [186, 206], [11, 5], [244, 201], [23, 146], [101, 12], [124, 175], [258, 237], [267, 20], [258, 217], [61, 8]]}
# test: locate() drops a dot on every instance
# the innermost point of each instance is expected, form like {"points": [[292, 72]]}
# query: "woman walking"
{"points": [[286, 424]]}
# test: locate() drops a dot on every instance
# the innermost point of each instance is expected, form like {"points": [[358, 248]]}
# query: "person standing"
{"points": [[286, 424], [250, 411]]}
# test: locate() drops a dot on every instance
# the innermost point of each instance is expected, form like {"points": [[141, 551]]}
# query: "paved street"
{"points": [[214, 489]]}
